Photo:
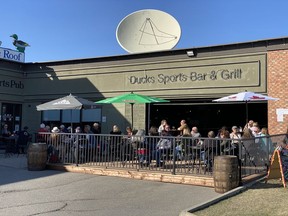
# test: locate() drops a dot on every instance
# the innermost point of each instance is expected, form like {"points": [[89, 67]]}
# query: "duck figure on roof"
{"points": [[20, 45]]}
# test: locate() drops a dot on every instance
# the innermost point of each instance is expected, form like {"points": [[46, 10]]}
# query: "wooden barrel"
{"points": [[37, 156], [225, 173]]}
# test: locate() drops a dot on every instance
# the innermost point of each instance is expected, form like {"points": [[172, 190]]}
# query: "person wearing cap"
{"points": [[54, 137], [235, 135], [55, 130], [235, 142], [53, 145]]}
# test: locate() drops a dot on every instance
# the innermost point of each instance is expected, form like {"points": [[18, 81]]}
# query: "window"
{"points": [[69, 116], [91, 115], [72, 116], [51, 115]]}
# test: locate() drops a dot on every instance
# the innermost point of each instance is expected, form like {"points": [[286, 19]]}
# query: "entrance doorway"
{"points": [[11, 115], [208, 115]]}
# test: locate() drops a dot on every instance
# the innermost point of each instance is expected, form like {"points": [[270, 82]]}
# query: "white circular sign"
{"points": [[148, 30]]}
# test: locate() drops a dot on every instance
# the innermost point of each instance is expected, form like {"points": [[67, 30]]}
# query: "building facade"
{"points": [[189, 78]]}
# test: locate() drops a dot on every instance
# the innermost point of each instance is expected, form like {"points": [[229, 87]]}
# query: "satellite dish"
{"points": [[148, 30]]}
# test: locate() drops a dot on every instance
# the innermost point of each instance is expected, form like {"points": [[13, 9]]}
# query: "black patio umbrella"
{"points": [[69, 102]]}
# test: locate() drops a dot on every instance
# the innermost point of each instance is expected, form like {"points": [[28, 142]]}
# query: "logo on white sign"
{"points": [[62, 102]]}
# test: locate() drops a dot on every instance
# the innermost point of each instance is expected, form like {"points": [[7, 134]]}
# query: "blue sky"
{"points": [[75, 29]]}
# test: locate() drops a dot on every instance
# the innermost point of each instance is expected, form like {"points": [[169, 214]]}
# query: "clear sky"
{"points": [[75, 29]]}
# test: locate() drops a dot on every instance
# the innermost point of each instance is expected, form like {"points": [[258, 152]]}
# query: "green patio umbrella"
{"points": [[132, 98]]}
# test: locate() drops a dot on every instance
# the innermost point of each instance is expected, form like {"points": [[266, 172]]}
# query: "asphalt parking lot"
{"points": [[51, 192]]}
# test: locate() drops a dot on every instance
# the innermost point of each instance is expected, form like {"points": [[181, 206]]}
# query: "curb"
{"points": [[140, 175], [235, 191]]}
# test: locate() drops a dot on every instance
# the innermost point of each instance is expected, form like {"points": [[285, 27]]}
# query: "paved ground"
{"points": [[51, 192]]}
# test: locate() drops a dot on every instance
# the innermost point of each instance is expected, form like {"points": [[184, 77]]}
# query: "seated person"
{"points": [[235, 134], [42, 137], [115, 130], [153, 131], [114, 140], [163, 146], [184, 143], [129, 133], [209, 149], [63, 129], [152, 139], [196, 135], [96, 129], [5, 131], [139, 143], [162, 126], [138, 138], [166, 131], [224, 142]]}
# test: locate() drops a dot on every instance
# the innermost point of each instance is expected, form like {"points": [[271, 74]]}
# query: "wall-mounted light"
{"points": [[190, 53]]}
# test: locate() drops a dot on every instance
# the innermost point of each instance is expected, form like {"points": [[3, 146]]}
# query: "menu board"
{"points": [[284, 160], [279, 166]]}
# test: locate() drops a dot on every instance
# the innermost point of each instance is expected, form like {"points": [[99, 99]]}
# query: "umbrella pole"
{"points": [[246, 112], [148, 117], [71, 122], [132, 115]]}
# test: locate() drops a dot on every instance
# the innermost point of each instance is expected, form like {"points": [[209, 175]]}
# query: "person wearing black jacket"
{"points": [[23, 139]]}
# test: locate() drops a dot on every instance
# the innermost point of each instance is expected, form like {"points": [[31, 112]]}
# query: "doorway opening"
{"points": [[11, 115], [207, 115]]}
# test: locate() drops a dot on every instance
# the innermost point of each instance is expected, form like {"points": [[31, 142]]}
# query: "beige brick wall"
{"points": [[277, 87]]}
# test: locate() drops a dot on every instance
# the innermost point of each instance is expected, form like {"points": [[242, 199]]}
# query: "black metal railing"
{"points": [[177, 155]]}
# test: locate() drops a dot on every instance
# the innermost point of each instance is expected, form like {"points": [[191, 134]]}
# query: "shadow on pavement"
{"points": [[14, 168]]}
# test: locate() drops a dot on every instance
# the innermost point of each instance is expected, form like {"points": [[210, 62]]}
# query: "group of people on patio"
{"points": [[62, 140], [253, 141], [163, 142], [15, 141]]}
